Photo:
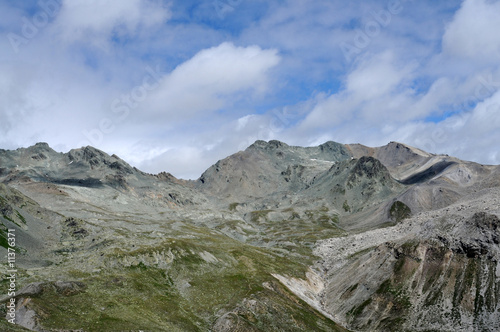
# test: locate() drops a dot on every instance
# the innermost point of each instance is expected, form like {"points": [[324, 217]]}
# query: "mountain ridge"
{"points": [[277, 229]]}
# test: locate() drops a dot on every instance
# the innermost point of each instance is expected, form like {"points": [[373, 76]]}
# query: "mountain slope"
{"points": [[435, 271], [266, 168], [371, 238]]}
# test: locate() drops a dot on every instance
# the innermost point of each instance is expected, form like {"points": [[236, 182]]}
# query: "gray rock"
{"points": [[373, 263]]}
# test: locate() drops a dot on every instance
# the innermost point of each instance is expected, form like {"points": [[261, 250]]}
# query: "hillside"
{"points": [[338, 237]]}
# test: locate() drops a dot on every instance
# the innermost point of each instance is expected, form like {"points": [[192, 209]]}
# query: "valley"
{"points": [[273, 238]]}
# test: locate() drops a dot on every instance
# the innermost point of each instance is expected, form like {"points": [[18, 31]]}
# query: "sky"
{"points": [[175, 85]]}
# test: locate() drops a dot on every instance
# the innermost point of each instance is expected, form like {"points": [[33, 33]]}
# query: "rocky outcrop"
{"points": [[275, 237], [25, 314], [433, 271]]}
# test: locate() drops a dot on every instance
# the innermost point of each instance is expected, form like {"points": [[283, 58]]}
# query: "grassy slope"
{"points": [[204, 275]]}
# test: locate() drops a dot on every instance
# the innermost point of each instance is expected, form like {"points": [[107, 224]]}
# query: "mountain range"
{"points": [[337, 237]]}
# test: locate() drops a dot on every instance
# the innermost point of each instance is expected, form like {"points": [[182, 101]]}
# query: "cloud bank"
{"points": [[176, 85]]}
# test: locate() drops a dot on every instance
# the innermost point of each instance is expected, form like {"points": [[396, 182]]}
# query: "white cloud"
{"points": [[377, 77], [287, 79], [96, 21], [470, 135], [485, 119], [375, 91], [187, 157], [213, 79], [473, 33], [183, 162]]}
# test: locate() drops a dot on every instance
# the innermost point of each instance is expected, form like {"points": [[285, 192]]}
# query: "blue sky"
{"points": [[176, 85]]}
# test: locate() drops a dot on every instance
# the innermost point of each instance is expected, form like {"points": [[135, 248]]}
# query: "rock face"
{"points": [[267, 168], [434, 271], [275, 237], [25, 313]]}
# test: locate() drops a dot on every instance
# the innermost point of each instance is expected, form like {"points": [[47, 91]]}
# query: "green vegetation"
{"points": [[21, 217], [257, 216], [358, 310], [232, 206], [3, 236], [395, 291], [409, 247], [391, 291], [399, 211], [353, 287], [188, 293], [294, 236], [346, 206], [7, 212], [465, 279], [349, 292], [361, 252], [6, 326], [190, 278]]}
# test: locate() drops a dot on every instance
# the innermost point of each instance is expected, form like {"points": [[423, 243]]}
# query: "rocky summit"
{"points": [[273, 238]]}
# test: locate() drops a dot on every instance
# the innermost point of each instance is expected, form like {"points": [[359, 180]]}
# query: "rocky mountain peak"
{"points": [[88, 154], [369, 167], [476, 236], [330, 146], [42, 145], [271, 145], [396, 154], [40, 151], [390, 251], [93, 157]]}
